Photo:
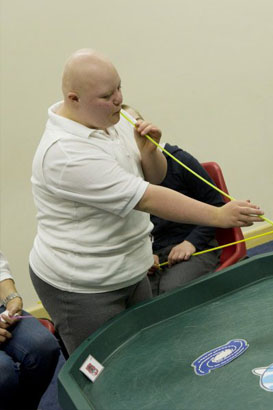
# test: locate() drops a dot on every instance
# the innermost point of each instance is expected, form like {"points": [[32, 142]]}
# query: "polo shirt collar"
{"points": [[70, 126]]}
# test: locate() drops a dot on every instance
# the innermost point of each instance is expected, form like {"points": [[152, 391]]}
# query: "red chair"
{"points": [[234, 253], [48, 324]]}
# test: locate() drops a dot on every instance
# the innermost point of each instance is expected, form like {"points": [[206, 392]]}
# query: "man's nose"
{"points": [[117, 100]]}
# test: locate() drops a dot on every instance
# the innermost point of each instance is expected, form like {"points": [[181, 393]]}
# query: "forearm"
{"points": [[168, 204], [154, 166], [154, 163], [6, 288], [200, 236], [173, 206]]}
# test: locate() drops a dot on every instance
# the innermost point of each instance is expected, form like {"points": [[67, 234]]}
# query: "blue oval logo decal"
{"points": [[220, 356]]}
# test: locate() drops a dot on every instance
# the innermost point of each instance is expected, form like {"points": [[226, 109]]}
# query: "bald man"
{"points": [[94, 185]]}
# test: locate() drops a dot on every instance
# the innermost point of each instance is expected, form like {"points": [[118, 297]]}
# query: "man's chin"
{"points": [[116, 117]]}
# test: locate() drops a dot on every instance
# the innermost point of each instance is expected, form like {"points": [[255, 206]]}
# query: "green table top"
{"points": [[147, 351]]}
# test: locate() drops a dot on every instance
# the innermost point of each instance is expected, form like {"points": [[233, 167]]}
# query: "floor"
{"points": [[50, 399]]}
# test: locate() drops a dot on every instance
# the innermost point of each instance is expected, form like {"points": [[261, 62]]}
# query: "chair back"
{"points": [[234, 253]]}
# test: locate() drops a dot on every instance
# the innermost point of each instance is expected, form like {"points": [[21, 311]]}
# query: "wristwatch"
{"points": [[10, 297]]}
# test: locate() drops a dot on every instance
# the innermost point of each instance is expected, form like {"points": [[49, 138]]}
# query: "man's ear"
{"points": [[73, 97]]}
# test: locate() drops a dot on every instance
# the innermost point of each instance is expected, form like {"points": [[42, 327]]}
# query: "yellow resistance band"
{"points": [[190, 170], [211, 185], [224, 246]]}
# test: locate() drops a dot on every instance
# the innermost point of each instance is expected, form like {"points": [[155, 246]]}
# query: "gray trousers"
{"points": [[77, 315], [178, 275]]}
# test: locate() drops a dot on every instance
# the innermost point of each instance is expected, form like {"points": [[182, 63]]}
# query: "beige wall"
{"points": [[201, 69]]}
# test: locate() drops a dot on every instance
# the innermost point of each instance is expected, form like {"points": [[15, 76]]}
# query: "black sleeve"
{"points": [[199, 236]]}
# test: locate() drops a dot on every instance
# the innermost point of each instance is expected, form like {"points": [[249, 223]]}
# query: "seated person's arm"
{"points": [[181, 252], [14, 305]]}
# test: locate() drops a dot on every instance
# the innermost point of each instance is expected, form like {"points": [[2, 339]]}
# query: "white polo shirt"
{"points": [[86, 184]]}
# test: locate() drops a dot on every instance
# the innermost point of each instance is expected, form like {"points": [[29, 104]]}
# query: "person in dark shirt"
{"points": [[176, 242]]}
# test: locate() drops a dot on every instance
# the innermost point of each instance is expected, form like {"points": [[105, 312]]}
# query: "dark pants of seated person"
{"points": [[27, 364], [183, 272], [77, 315]]}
